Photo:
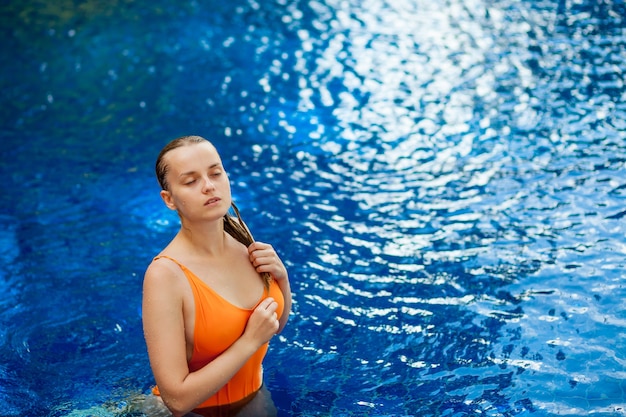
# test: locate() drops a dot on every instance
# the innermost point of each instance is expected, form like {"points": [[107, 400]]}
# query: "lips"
{"points": [[212, 200]]}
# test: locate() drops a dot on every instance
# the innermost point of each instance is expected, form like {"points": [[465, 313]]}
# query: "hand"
{"points": [[265, 259], [263, 322]]}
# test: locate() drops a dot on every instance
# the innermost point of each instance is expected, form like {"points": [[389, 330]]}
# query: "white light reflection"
{"points": [[430, 100], [411, 73]]}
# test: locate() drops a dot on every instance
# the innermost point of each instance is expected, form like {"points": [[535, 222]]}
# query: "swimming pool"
{"points": [[446, 183]]}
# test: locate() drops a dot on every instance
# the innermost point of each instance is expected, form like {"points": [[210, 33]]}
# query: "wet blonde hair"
{"points": [[235, 228]]}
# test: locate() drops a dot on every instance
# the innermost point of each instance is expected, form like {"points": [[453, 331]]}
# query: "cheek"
{"points": [[226, 185], [226, 195], [179, 202]]}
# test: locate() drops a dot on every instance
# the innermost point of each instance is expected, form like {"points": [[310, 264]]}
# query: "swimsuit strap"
{"points": [[171, 259]]}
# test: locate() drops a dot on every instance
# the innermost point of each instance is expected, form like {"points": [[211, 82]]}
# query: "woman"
{"points": [[213, 298]]}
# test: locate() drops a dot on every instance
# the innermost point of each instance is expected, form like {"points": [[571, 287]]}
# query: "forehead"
{"points": [[193, 157]]}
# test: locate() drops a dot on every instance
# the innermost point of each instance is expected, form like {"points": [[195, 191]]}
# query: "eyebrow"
{"points": [[215, 165]]}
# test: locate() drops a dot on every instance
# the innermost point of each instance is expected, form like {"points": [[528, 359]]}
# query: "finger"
{"points": [[255, 246], [276, 322], [262, 254], [266, 304], [272, 307], [261, 262]]}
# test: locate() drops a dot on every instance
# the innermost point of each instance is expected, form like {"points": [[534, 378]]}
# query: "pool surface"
{"points": [[446, 182]]}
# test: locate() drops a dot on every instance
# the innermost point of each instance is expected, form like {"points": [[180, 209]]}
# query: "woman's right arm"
{"points": [[163, 323]]}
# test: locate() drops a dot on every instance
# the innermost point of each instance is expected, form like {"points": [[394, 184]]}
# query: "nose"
{"points": [[208, 185]]}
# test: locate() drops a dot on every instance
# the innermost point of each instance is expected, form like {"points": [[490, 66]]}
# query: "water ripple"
{"points": [[459, 190], [445, 182]]}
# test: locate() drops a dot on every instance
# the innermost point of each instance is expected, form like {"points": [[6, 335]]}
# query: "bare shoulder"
{"points": [[163, 294], [237, 247], [163, 273]]}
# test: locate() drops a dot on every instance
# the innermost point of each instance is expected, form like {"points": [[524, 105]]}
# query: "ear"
{"points": [[168, 200]]}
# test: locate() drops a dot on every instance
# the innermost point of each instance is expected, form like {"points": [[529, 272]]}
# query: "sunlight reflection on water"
{"points": [[444, 151]]}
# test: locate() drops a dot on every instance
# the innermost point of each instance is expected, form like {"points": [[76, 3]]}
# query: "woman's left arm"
{"points": [[265, 259]]}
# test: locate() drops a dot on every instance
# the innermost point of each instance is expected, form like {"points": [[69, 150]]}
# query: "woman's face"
{"points": [[198, 186]]}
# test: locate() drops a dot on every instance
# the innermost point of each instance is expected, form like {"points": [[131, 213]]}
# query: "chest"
{"points": [[232, 279], [219, 299]]}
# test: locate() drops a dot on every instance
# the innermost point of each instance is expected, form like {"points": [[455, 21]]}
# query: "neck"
{"points": [[206, 239]]}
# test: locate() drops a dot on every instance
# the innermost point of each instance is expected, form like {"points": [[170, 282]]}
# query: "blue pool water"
{"points": [[446, 182]]}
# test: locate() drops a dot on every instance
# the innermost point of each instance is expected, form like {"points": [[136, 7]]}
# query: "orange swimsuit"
{"points": [[218, 325]]}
